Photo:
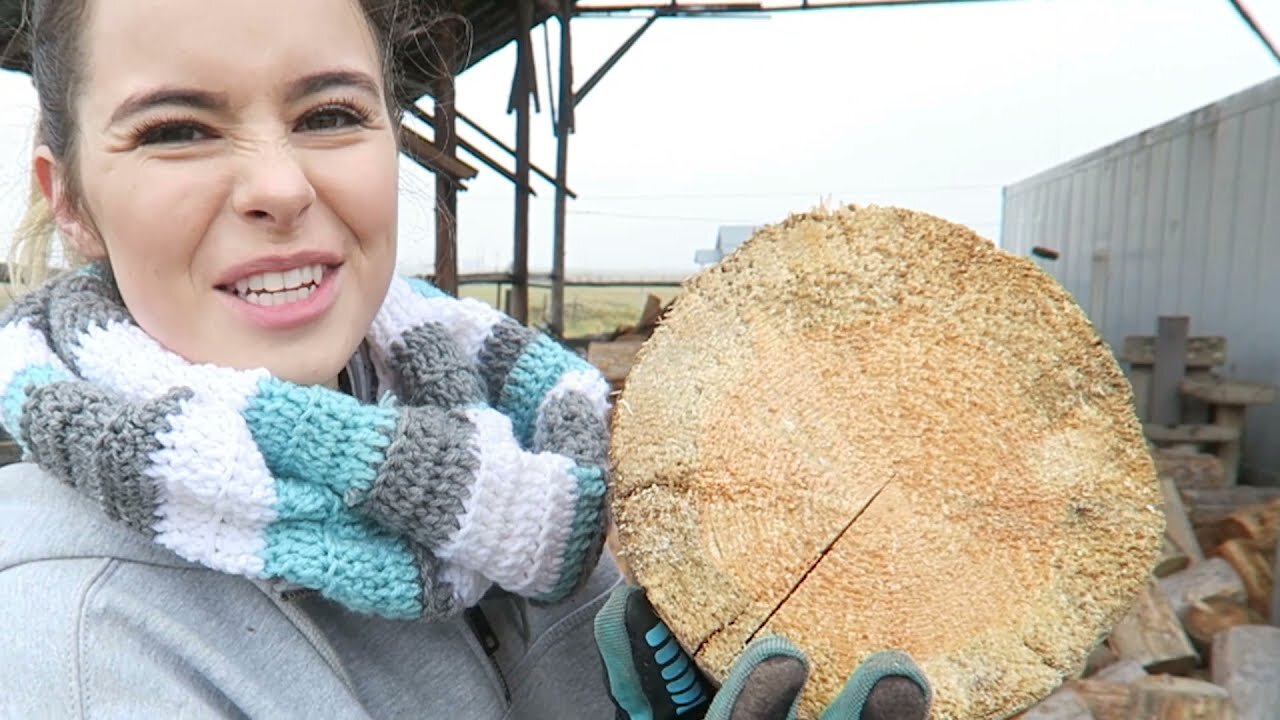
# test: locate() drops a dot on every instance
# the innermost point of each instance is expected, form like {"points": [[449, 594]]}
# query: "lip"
{"points": [[294, 314], [276, 263]]}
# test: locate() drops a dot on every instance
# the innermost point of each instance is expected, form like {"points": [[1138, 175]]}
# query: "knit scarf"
{"points": [[482, 464]]}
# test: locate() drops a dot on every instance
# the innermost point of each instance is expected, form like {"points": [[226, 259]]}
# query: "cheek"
{"points": [[362, 191], [152, 228]]}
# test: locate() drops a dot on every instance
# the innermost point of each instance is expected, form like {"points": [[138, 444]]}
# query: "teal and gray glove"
{"points": [[650, 677]]}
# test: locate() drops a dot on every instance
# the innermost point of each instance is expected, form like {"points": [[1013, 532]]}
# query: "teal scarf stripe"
{"points": [[15, 396], [586, 526], [534, 374], [350, 562], [313, 432], [318, 541], [424, 288]]}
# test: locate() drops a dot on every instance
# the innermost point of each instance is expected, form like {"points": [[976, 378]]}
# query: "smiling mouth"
{"points": [[279, 288]]}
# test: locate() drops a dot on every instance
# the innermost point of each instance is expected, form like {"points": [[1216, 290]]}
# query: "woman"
{"points": [[267, 478]]}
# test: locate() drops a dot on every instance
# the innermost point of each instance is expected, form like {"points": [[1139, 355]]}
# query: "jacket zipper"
{"points": [[489, 643]]}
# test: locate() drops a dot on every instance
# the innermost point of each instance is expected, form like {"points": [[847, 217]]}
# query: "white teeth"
{"points": [[280, 288]]}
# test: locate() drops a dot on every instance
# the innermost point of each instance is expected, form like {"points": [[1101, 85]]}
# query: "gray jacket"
{"points": [[98, 622]]}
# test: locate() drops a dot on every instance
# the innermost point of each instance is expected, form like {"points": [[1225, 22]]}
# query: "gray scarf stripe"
{"points": [[85, 437], [501, 351], [429, 470], [569, 424], [30, 306], [437, 595], [432, 369]]}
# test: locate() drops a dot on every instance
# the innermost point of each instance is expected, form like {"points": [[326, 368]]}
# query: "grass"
{"points": [[587, 310]]}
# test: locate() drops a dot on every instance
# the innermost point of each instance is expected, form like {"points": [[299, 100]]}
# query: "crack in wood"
{"points": [[816, 563]]}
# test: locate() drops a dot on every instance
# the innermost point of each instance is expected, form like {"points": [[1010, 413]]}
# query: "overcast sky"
{"points": [[730, 121]]}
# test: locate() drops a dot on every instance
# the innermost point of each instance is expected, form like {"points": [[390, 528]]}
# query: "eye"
{"points": [[171, 133], [333, 117]]}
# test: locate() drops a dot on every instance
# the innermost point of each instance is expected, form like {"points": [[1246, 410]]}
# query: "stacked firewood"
{"points": [[616, 353], [1203, 639]]}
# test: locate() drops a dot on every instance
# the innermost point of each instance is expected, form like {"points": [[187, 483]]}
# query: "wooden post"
{"points": [[1246, 661], [523, 87], [446, 141], [1170, 368], [564, 127], [1230, 416]]}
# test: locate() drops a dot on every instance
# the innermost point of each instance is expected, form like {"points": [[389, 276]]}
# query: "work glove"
{"points": [[650, 677]]}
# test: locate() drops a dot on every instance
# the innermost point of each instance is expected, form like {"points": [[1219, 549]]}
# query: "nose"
{"points": [[273, 189]]}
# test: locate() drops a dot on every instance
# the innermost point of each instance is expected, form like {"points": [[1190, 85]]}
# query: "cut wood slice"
{"points": [[1204, 581], [1165, 697], [1152, 636], [870, 428], [1254, 570], [1246, 661], [1208, 618]]}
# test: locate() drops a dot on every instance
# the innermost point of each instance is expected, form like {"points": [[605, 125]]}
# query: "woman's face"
{"points": [[239, 171]]}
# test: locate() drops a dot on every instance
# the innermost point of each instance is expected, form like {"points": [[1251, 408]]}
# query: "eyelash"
{"points": [[354, 109]]}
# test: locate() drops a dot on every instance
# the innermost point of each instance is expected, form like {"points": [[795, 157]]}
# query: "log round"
{"points": [[869, 428]]}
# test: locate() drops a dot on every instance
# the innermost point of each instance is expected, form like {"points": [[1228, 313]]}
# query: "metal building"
{"points": [[1182, 219]]}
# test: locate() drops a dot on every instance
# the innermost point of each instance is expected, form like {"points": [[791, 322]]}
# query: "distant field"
{"points": [[587, 310]]}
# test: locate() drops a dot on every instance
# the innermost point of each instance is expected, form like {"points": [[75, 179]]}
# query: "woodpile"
{"points": [[615, 354], [1203, 639]]}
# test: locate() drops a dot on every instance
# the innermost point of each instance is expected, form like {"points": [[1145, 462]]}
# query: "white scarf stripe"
{"points": [[589, 383], [23, 347], [111, 356], [519, 514], [215, 495]]}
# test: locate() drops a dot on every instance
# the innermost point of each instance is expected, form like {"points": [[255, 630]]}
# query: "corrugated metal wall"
{"points": [[1183, 219]]}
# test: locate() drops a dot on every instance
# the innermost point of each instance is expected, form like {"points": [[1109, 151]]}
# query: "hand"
{"points": [[650, 676]]}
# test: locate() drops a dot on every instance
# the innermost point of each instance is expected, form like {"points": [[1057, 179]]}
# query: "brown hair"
{"points": [[54, 30]]}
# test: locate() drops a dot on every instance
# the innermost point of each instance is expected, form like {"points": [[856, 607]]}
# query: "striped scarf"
{"points": [[483, 464]]}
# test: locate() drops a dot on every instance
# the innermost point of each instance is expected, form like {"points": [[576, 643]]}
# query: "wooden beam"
{"points": [[1224, 391], [1191, 434], [1202, 352], [424, 152]]}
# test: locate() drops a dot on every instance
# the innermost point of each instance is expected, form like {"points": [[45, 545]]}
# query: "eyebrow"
{"points": [[202, 100]]}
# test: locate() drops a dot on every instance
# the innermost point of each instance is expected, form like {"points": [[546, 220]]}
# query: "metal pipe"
{"points": [[564, 127]]}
